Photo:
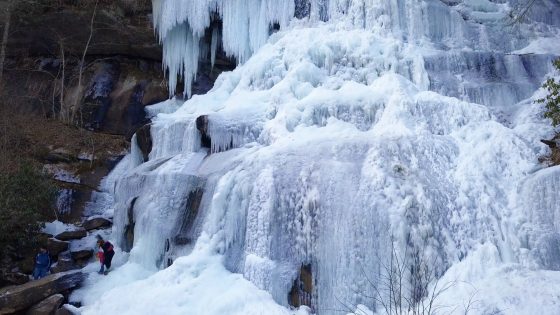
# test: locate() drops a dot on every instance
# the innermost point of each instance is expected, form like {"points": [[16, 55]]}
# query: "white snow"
{"points": [[56, 227], [541, 46], [90, 241], [61, 174], [197, 284], [364, 123]]}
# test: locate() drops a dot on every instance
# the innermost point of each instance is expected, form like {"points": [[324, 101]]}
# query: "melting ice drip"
{"points": [[357, 123]]}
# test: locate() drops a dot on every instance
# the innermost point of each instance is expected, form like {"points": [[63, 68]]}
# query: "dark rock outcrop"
{"points": [[96, 223], [144, 140], [202, 126], [64, 310], [14, 278], [194, 199], [17, 298], [302, 289], [82, 254], [72, 235], [129, 228], [120, 28], [48, 306], [60, 155], [56, 247], [64, 264], [550, 143], [123, 72]]}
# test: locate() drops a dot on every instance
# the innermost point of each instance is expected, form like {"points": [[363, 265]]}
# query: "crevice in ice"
{"points": [[192, 207], [144, 141], [129, 228], [202, 126], [302, 8], [302, 289], [220, 135], [180, 239]]}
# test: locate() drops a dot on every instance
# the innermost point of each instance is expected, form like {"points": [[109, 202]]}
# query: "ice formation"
{"points": [[358, 125]]}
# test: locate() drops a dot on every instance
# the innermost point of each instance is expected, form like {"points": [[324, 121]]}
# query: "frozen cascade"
{"points": [[359, 124], [543, 232]]}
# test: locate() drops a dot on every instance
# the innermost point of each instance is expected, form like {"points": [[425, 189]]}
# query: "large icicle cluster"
{"points": [[359, 126], [182, 24]]}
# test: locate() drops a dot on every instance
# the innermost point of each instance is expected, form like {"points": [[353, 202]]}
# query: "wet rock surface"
{"points": [[64, 264], [48, 306], [56, 247], [71, 235], [144, 141], [82, 254], [17, 298], [96, 223]]}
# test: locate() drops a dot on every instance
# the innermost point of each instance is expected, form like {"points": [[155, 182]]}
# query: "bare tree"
{"points": [[517, 15], [406, 284], [78, 98]]}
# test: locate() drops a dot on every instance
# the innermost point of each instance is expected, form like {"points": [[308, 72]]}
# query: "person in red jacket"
{"points": [[108, 253]]}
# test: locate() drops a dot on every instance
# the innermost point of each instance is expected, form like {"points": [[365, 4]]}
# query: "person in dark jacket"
{"points": [[42, 264], [108, 252]]}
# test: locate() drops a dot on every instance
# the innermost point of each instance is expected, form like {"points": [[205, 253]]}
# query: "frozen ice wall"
{"points": [[462, 39], [358, 125]]}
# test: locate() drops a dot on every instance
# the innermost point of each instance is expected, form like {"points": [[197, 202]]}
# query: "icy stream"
{"points": [[358, 125]]}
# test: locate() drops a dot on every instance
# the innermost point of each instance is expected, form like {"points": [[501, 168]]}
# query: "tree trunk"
{"points": [[6, 33], [78, 106]]}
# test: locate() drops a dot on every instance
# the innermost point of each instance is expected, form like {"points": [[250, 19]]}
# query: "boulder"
{"points": [[60, 155], [96, 223], [65, 310], [48, 306], [17, 298], [56, 247], [64, 264], [72, 235], [12, 278], [82, 254]]}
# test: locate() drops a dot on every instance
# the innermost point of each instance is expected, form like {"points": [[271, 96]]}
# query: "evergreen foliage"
{"points": [[26, 197], [552, 100]]}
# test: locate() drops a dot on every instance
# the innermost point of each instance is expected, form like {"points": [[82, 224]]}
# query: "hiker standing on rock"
{"points": [[42, 264], [108, 254]]}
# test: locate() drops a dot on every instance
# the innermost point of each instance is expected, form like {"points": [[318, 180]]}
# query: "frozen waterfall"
{"points": [[350, 129]]}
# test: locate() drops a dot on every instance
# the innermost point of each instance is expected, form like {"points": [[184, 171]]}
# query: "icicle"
{"points": [[181, 50], [181, 24]]}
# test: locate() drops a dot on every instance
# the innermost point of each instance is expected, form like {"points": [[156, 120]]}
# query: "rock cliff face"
{"points": [[122, 62], [122, 69], [40, 27]]}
